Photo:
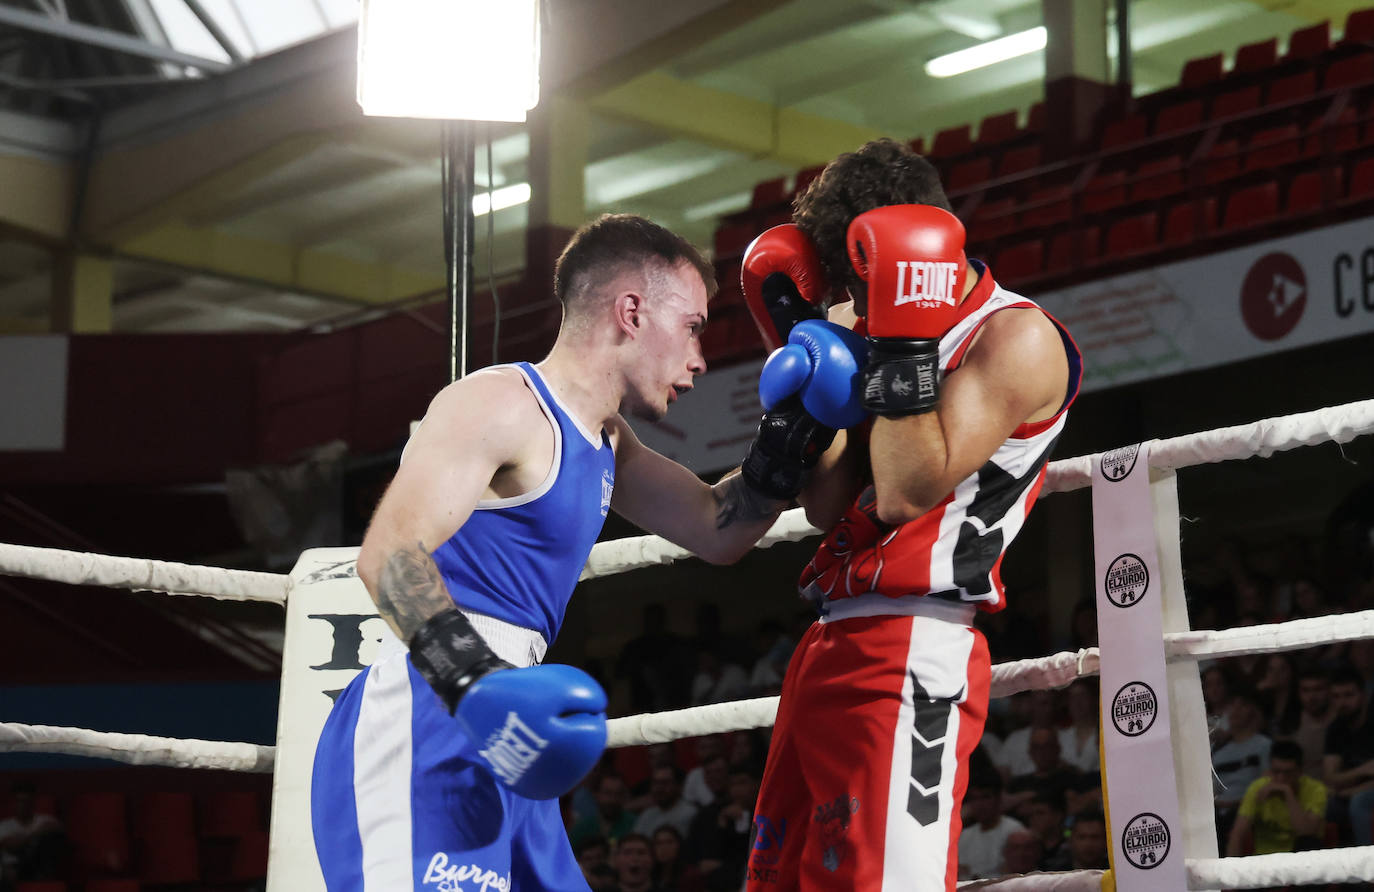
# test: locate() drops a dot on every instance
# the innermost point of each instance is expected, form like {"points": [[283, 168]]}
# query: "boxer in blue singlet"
{"points": [[439, 767]]}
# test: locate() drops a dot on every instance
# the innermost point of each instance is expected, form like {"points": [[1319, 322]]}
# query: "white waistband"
{"points": [[875, 604], [517, 645]]}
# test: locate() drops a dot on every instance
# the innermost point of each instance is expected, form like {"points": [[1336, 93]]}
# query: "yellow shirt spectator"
{"points": [[1267, 808]]}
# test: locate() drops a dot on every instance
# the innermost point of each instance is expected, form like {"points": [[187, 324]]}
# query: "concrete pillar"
{"points": [[1077, 79], [82, 294]]}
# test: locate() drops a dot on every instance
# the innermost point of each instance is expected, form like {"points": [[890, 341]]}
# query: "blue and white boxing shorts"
{"points": [[399, 799]]}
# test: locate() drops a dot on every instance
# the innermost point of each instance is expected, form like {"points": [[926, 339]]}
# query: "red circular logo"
{"points": [[1273, 296]]}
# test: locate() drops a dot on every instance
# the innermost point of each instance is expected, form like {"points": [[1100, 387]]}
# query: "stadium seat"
{"points": [[1291, 88], [1125, 131], [953, 141], [1104, 192], [1018, 160], [1359, 27], [1201, 72], [1188, 221], [969, 173], [997, 128], [1333, 137], [250, 858], [1309, 42], [1019, 262], [1181, 116], [97, 826], [1349, 71], [1274, 147], [229, 813], [732, 238], [1074, 249], [1251, 206], [1048, 206], [993, 219], [1222, 162], [1235, 102], [1133, 235], [1257, 57], [1305, 191], [1362, 179], [1158, 178], [1035, 118], [768, 193]]}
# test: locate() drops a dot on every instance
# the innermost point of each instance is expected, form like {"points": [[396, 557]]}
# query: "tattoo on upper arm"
{"points": [[410, 590], [736, 503]]}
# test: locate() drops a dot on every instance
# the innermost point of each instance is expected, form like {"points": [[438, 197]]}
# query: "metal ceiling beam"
{"points": [[241, 203], [723, 119], [395, 208], [103, 38]]}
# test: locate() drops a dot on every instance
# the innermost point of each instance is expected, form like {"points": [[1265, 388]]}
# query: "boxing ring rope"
{"points": [[1338, 424]]}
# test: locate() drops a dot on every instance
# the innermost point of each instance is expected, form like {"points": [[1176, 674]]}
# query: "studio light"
{"points": [[985, 54], [500, 199], [475, 60]]}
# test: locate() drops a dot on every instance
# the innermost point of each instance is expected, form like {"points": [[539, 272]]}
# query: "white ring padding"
{"points": [[663, 727], [1339, 424], [1066, 881], [1263, 438], [142, 574], [136, 749]]}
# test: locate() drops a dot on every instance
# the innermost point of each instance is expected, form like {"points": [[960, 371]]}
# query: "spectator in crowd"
{"points": [[665, 791], [1015, 758], [985, 827], [1083, 625], [1348, 760], [1216, 698], [748, 752], [32, 846], [1243, 758], [1088, 841], [634, 864], [718, 679], [612, 820], [657, 664], [1283, 811], [719, 839], [1020, 853], [1046, 815], [1315, 713], [706, 783], [1277, 687], [1361, 657], [1078, 742], [775, 651], [671, 872], [582, 800], [1050, 774], [593, 856], [659, 755]]}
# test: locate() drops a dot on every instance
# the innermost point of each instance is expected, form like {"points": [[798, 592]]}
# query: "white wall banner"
{"points": [[33, 393], [1141, 798], [1256, 300]]}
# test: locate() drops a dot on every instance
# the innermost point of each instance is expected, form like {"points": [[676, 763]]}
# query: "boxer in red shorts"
{"points": [[968, 385]]}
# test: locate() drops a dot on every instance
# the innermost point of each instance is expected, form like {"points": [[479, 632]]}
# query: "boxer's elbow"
{"points": [[896, 507]]}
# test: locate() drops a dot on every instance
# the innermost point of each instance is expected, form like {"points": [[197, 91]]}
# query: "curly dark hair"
{"points": [[881, 173]]}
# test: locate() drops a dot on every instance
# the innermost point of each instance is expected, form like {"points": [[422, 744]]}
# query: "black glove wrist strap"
{"points": [[902, 376], [789, 443], [450, 655]]}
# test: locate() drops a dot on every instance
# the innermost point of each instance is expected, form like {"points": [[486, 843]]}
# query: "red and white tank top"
{"points": [[954, 550]]}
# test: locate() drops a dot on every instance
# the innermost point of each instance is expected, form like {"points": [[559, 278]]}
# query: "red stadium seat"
{"points": [[1104, 192], [1274, 147], [1158, 178], [732, 238], [97, 826], [1019, 262], [1173, 118], [993, 219], [1048, 206], [250, 858], [1200, 72], [1133, 235], [1236, 102], [1333, 137], [1188, 221], [954, 141], [918, 145], [1348, 72], [1222, 162], [1305, 192], [769, 193], [1035, 118], [1291, 88], [1016, 161], [1125, 131], [1251, 206], [1362, 179], [1256, 57], [1359, 27], [230, 813], [969, 173], [997, 128], [1309, 42], [1073, 250]]}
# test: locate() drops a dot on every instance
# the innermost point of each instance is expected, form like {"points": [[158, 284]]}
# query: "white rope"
{"points": [[1337, 424], [662, 727], [136, 749], [141, 574]]}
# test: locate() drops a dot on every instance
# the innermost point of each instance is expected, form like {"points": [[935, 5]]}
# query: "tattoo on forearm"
{"points": [[736, 503], [410, 590]]}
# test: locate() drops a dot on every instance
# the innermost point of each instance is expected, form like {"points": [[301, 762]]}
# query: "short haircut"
{"points": [[1347, 675], [1247, 694], [591, 842], [614, 243], [1050, 796], [634, 837], [1286, 749], [1089, 816], [880, 173], [1314, 671]]}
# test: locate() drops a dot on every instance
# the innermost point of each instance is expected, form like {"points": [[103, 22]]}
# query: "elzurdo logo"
{"points": [[1117, 464]]}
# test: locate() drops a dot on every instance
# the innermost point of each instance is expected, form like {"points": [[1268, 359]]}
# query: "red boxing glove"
{"points": [[783, 282], [912, 258]]}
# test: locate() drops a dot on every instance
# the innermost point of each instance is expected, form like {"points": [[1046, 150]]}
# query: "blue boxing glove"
{"points": [[539, 730], [810, 388]]}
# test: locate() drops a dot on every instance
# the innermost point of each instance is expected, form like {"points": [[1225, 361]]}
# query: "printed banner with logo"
{"points": [[1142, 800], [1253, 301]]}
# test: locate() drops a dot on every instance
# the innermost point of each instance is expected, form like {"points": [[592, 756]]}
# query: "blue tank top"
{"points": [[518, 559]]}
